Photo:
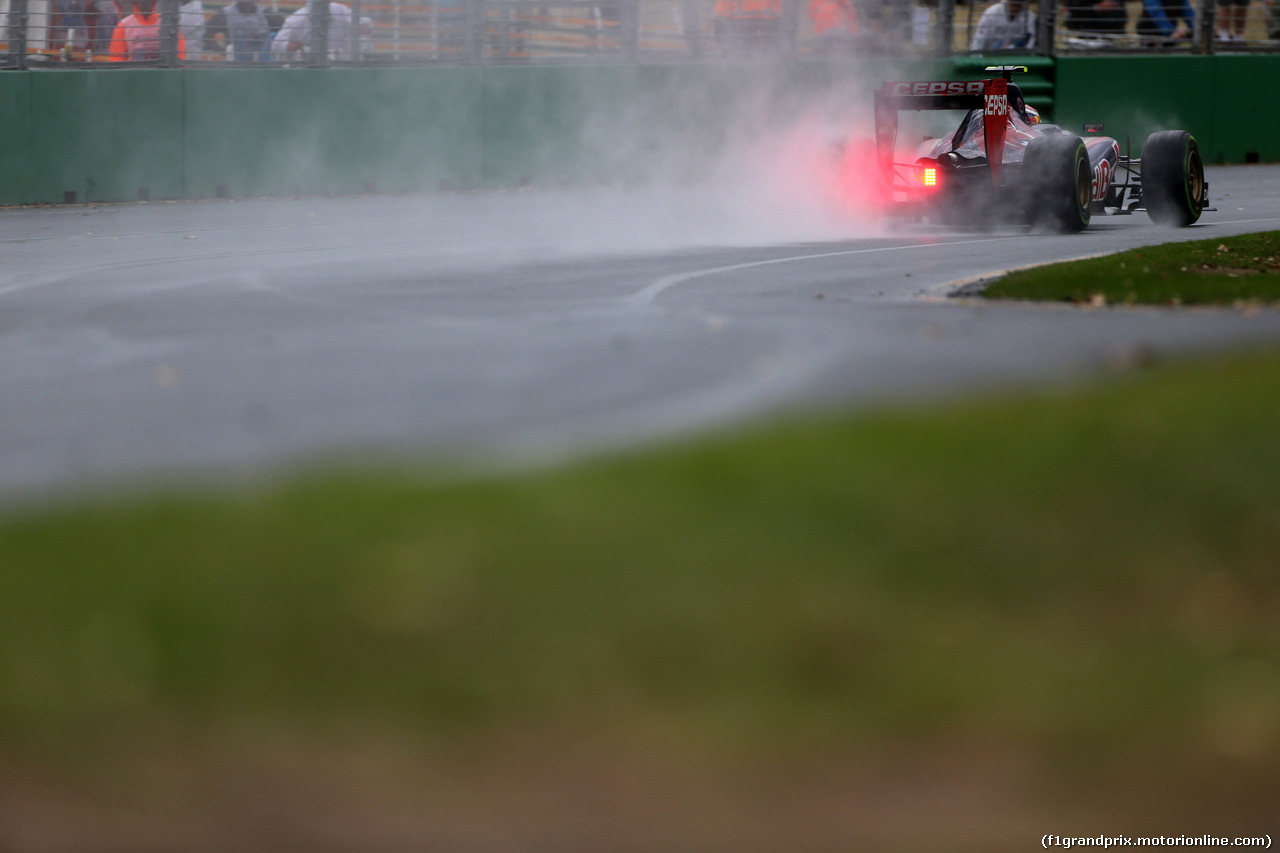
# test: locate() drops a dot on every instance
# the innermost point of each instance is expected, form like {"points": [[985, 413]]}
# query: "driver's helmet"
{"points": [[1031, 114], [1018, 104]]}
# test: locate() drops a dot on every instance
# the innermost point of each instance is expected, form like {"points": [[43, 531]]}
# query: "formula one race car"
{"points": [[1044, 174]]}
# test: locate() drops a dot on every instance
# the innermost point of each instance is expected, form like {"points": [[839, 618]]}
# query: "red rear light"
{"points": [[930, 177]]}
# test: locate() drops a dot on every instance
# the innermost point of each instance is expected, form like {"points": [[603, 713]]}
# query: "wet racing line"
{"points": [[648, 294]]}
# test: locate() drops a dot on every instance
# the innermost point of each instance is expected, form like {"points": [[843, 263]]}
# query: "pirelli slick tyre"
{"points": [[1058, 182], [1173, 188]]}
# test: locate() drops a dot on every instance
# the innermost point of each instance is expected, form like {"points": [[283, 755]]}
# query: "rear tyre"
{"points": [[1058, 182], [1172, 178]]}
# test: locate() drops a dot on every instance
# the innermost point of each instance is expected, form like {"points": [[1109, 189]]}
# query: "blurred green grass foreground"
{"points": [[964, 626]]}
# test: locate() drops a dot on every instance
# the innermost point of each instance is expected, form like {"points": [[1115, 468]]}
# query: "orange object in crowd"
{"points": [[738, 10], [835, 16], [138, 37]]}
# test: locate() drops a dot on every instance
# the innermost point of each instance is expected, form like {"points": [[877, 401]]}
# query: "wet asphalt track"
{"points": [[151, 340]]}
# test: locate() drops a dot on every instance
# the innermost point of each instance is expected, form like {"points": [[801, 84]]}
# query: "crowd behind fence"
{"points": [[319, 33]]}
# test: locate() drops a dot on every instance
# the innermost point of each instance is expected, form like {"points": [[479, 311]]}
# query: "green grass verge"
{"points": [[1091, 576], [1220, 271]]}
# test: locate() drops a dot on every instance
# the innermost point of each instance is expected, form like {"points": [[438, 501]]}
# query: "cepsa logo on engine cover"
{"points": [[959, 87], [997, 105]]}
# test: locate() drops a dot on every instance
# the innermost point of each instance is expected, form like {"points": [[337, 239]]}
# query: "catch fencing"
{"points": [[62, 33]]}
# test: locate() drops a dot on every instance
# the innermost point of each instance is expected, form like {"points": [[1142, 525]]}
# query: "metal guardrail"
{"points": [[79, 33]]}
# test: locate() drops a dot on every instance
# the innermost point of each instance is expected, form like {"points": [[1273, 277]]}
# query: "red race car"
{"points": [[1044, 174]]}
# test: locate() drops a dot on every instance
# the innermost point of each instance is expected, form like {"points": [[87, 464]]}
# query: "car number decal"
{"points": [[1101, 179]]}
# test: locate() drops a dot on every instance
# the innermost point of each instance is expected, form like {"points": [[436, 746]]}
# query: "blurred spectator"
{"points": [[191, 22], [246, 28], [101, 18], [748, 26], [295, 34], [1166, 23], [137, 37], [1096, 17], [1232, 15], [896, 19], [67, 24], [1273, 19], [884, 25], [1008, 25], [835, 25]]}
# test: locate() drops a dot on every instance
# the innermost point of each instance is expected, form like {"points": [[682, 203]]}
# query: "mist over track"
{"points": [[151, 340]]}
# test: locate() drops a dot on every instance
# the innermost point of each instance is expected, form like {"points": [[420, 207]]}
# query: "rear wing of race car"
{"points": [[992, 96]]}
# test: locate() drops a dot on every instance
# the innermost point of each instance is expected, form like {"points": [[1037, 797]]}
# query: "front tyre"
{"points": [[1058, 182], [1173, 189]]}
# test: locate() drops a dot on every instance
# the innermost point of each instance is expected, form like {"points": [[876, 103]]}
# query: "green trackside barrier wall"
{"points": [[16, 177], [264, 132], [573, 124], [101, 138], [106, 135], [1224, 101]]}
